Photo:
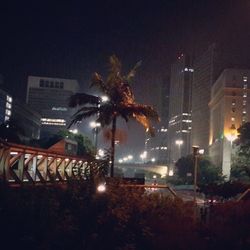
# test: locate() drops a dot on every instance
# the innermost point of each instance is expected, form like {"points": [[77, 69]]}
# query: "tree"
{"points": [[121, 103], [84, 144], [241, 161], [207, 172]]}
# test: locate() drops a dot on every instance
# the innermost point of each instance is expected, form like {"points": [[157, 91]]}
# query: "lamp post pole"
{"points": [[195, 158]]}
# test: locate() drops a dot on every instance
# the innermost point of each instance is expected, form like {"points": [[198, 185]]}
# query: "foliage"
{"points": [[76, 217], [207, 172], [85, 146], [121, 102], [229, 227], [224, 190], [241, 161]]}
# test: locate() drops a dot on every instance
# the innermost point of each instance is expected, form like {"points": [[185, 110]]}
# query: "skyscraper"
{"points": [[49, 97], [156, 147], [206, 69], [229, 108], [179, 128]]}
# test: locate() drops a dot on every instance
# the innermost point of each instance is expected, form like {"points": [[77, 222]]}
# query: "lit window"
{"points": [[9, 98], [244, 94], [6, 118], [244, 111], [244, 102], [245, 78], [8, 112], [55, 122], [8, 105], [245, 86]]}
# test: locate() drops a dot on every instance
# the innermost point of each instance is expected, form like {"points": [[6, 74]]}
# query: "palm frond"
{"points": [[81, 116], [83, 99], [106, 113], [142, 119], [87, 109], [132, 72], [135, 109], [98, 82]]}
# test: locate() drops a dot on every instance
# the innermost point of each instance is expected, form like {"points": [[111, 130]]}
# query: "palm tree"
{"points": [[121, 103]]}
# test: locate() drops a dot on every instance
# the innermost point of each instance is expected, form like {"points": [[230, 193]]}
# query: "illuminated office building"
{"points": [[49, 97]]}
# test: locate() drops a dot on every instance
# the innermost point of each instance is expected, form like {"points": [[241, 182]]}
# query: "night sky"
{"points": [[72, 39]]}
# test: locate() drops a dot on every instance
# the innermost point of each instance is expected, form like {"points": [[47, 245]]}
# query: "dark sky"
{"points": [[72, 39]]}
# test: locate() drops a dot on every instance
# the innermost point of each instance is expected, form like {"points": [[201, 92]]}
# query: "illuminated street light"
{"points": [[143, 156], [171, 172], [153, 159], [104, 98], [73, 131], [101, 188], [130, 157], [94, 124], [101, 152], [179, 142]]}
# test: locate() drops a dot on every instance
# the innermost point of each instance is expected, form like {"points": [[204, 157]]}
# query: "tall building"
{"points": [[229, 108], [179, 128], [205, 73], [49, 97], [156, 147]]}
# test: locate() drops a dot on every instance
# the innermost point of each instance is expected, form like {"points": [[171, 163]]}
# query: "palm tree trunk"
{"points": [[113, 147]]}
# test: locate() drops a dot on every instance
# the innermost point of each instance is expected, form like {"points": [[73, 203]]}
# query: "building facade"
{"points": [[49, 97], [27, 119], [179, 128], [229, 108], [156, 147], [5, 106], [206, 70]]}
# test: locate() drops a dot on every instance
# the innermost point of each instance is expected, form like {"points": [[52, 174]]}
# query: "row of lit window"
{"points": [[8, 107], [52, 120], [159, 148], [189, 69], [54, 123], [51, 84], [184, 130]]}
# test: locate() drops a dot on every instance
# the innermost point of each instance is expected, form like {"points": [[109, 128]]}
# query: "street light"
{"points": [[105, 98], [195, 157]]}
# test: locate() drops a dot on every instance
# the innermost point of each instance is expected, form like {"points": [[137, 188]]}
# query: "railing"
{"points": [[22, 164]]}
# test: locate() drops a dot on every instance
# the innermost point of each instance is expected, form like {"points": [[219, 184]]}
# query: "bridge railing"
{"points": [[23, 164]]}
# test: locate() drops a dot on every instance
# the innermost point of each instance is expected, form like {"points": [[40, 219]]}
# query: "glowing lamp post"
{"points": [[179, 142], [95, 125]]}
